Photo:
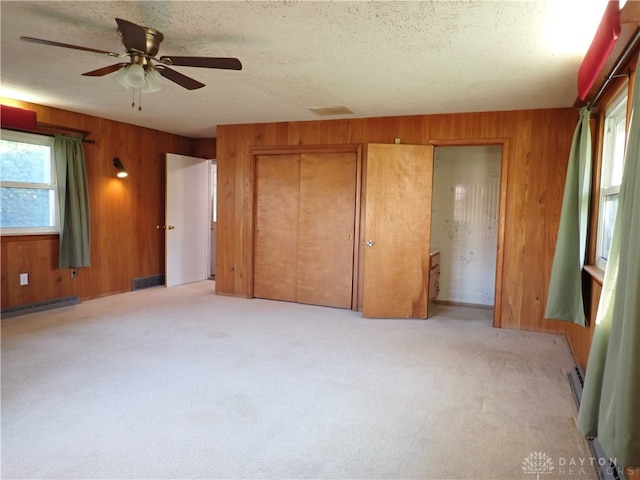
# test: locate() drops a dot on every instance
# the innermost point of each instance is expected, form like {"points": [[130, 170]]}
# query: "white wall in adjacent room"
{"points": [[466, 191]]}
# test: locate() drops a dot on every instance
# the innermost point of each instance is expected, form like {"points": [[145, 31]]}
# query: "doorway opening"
{"points": [[465, 222]]}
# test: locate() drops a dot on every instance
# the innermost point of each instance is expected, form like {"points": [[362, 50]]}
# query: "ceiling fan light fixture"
{"points": [[135, 75], [153, 81], [121, 77]]}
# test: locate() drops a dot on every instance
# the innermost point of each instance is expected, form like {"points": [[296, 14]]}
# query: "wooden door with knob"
{"points": [[397, 231]]}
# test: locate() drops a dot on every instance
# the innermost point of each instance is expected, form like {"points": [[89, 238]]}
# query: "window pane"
{"points": [[609, 210], [25, 162], [617, 162], [26, 207]]}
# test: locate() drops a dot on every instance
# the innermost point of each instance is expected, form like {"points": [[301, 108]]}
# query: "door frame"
{"points": [[502, 204], [255, 150]]}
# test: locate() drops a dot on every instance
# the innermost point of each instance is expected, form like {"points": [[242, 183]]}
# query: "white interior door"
{"points": [[187, 220], [213, 202]]}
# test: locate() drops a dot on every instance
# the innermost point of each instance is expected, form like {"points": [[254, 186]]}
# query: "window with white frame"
{"points": [[28, 188], [613, 149]]}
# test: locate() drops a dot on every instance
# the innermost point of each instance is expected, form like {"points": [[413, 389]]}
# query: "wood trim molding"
{"points": [[29, 237], [284, 149], [502, 214], [355, 292], [465, 142], [596, 273]]}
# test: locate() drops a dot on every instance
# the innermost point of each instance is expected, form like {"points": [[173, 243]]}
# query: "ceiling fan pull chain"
{"points": [[140, 99], [133, 97]]}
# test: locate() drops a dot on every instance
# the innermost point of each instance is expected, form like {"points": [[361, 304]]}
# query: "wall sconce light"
{"points": [[121, 171]]}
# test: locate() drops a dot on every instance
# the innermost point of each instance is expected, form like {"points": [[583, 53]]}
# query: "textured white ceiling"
{"points": [[376, 58]]}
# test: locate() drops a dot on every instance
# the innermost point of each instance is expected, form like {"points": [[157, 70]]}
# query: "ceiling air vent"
{"points": [[325, 111]]}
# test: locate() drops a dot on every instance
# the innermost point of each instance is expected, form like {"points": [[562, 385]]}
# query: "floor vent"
{"points": [[607, 470], [147, 282], [39, 306]]}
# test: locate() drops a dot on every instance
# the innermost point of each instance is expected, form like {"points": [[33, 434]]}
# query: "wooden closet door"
{"points": [[276, 228], [397, 231], [326, 227]]}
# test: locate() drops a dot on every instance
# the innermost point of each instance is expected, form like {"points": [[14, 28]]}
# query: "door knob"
{"points": [[369, 243]]}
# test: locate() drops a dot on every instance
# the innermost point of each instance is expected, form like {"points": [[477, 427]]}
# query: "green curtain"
{"points": [[73, 202], [564, 298], [610, 406]]}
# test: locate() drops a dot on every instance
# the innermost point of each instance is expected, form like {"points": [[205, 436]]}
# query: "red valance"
{"points": [[14, 118], [601, 46]]}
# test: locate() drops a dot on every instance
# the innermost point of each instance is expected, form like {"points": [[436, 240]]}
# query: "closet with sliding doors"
{"points": [[305, 215]]}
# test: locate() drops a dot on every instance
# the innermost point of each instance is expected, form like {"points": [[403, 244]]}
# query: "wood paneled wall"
{"points": [[538, 148], [204, 148], [579, 337], [125, 242]]}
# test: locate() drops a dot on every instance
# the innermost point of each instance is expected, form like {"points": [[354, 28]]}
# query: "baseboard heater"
{"points": [[576, 379], [607, 470], [147, 282], [39, 306]]}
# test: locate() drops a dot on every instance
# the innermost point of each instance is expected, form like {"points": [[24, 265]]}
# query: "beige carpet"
{"points": [[181, 383]]}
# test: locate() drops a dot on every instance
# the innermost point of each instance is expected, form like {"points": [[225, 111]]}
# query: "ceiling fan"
{"points": [[143, 70]]}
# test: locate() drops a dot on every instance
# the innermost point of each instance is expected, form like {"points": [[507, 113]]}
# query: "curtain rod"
{"points": [[84, 133], [85, 140], [614, 72]]}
